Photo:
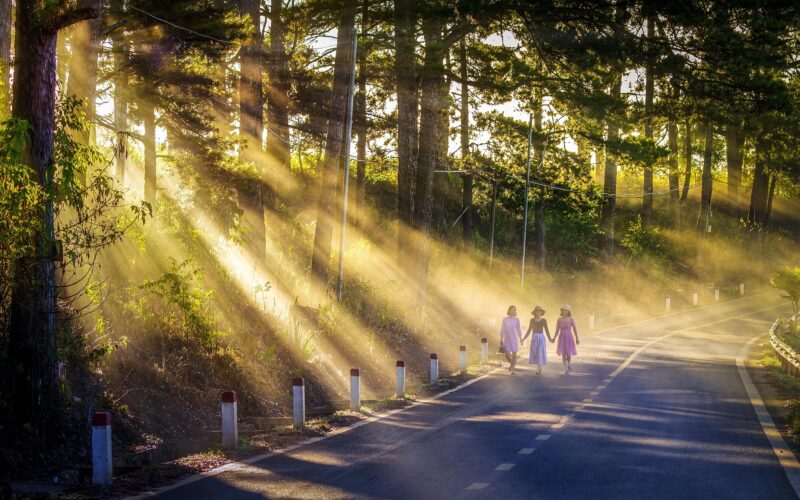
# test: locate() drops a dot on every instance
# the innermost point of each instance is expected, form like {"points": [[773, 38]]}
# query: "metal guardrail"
{"points": [[789, 358]]}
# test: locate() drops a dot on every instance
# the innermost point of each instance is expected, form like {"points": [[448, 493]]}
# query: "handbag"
{"points": [[502, 349]]}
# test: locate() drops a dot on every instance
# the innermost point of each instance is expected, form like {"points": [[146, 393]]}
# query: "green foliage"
{"points": [[176, 305], [641, 241], [787, 280], [20, 201]]}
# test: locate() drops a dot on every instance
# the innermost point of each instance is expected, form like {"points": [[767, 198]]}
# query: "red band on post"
{"points": [[484, 340], [229, 397], [354, 372], [101, 419], [434, 356], [401, 364], [298, 381], [462, 348]]}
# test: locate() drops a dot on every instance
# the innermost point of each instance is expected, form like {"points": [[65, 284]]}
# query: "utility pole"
{"points": [[491, 238], [347, 138], [527, 187]]}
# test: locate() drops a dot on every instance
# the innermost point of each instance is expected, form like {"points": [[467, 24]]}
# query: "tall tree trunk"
{"points": [[610, 182], [770, 197], [687, 166], [121, 105], [538, 164], [674, 167], [441, 182], [148, 111], [326, 199], [733, 152], [760, 192], [430, 121], [32, 325], [405, 18], [83, 73], [674, 172], [5, 57], [361, 118], [251, 128], [647, 195], [277, 148], [704, 218], [467, 222]]}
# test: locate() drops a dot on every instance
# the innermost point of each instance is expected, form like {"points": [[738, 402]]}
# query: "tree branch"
{"points": [[71, 12]]}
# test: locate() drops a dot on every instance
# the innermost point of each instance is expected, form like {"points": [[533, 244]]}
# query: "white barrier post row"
{"points": [[230, 427], [694, 299], [355, 389], [484, 351], [462, 359], [591, 321], [716, 295], [741, 289], [668, 304], [434, 368], [400, 391], [299, 402], [101, 449]]}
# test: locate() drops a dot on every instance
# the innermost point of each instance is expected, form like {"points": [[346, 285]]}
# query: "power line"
{"points": [[180, 27], [570, 190]]}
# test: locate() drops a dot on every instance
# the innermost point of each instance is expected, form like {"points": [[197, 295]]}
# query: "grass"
{"points": [[792, 386]]}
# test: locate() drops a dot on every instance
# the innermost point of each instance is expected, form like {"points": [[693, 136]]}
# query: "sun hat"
{"points": [[566, 307], [538, 308]]}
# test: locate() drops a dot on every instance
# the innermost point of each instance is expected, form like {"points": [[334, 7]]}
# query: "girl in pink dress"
{"points": [[510, 335], [565, 326]]}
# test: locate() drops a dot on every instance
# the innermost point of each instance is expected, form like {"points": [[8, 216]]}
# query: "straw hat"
{"points": [[538, 308], [566, 307]]}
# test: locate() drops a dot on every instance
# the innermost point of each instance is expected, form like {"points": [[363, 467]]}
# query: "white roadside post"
{"points": [[591, 321], [299, 402], [668, 304], [716, 295], [434, 368], [230, 427], [484, 351], [462, 359], [355, 389], [101, 449], [694, 299], [741, 289], [400, 391]]}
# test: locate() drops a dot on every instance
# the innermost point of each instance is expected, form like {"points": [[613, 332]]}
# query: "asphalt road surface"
{"points": [[653, 410]]}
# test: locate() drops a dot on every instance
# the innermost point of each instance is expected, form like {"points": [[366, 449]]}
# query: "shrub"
{"points": [[787, 280]]}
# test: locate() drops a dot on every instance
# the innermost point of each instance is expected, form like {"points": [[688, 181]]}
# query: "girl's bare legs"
{"points": [[565, 360], [569, 363], [539, 370], [513, 362]]}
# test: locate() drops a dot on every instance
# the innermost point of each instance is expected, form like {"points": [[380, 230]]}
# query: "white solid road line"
{"points": [[782, 451], [245, 463]]}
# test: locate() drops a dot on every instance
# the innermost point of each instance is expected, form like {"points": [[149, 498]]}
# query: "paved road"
{"points": [[653, 410]]}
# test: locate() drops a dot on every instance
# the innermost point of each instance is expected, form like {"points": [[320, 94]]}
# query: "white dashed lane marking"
{"points": [[477, 486], [526, 451], [588, 400], [504, 467], [543, 437]]}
